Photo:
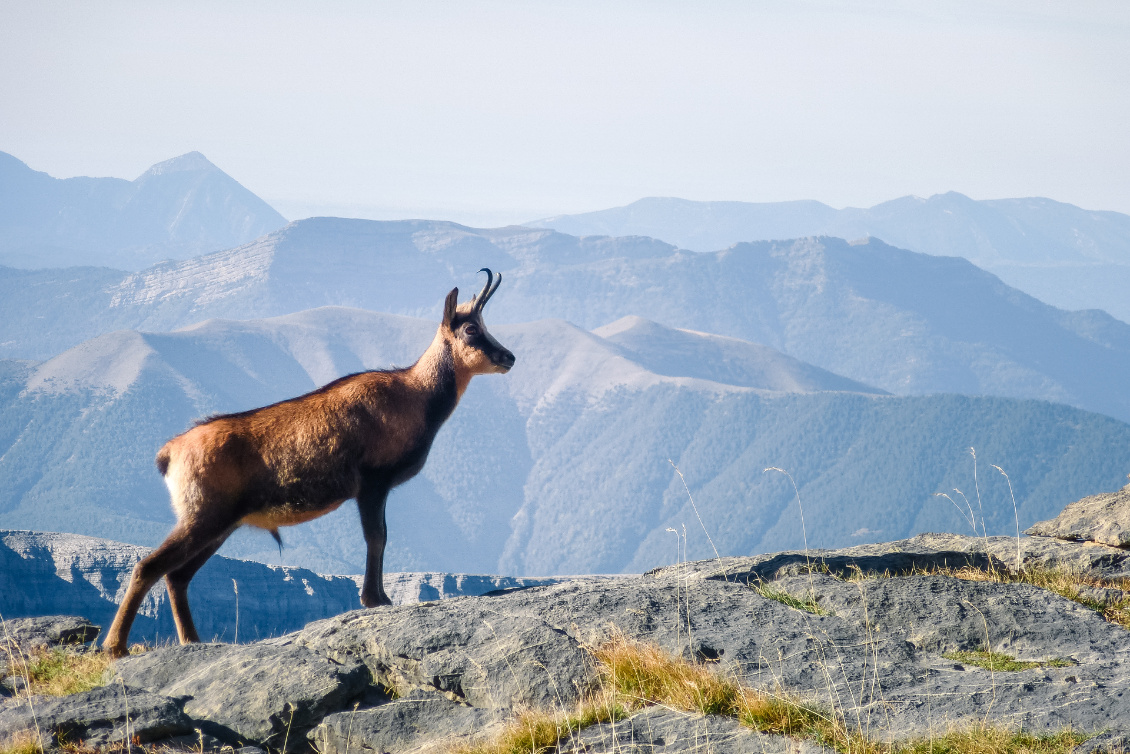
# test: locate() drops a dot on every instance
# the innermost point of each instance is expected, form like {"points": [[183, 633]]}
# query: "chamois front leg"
{"points": [[371, 505]]}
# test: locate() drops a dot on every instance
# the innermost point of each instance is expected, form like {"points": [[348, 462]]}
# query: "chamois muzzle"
{"points": [[502, 358]]}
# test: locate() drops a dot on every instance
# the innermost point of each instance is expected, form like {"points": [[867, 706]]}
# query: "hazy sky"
{"points": [[503, 111]]}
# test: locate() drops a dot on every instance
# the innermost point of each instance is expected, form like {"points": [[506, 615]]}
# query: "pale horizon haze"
{"points": [[499, 112]]}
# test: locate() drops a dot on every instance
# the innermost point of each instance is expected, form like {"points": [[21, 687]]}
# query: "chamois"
{"points": [[357, 437]]}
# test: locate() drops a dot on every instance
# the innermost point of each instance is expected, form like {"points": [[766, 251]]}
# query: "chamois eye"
{"points": [[471, 330]]}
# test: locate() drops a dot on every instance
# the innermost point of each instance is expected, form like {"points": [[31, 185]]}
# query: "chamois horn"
{"points": [[488, 290]]}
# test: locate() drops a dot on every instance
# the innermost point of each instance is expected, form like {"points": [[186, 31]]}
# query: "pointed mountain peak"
{"points": [[190, 162]]}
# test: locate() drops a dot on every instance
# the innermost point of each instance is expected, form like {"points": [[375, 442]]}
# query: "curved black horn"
{"points": [[497, 282], [488, 290]]}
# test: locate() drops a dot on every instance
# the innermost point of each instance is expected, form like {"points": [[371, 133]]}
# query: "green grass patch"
{"points": [[999, 661], [809, 605]]}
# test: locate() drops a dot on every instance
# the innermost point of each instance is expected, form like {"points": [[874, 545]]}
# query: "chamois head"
{"points": [[472, 346]]}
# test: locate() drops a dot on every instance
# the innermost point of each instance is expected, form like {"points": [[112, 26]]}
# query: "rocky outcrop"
{"points": [[106, 715], [1103, 518], [262, 693], [871, 650], [44, 573], [925, 552], [29, 634]]}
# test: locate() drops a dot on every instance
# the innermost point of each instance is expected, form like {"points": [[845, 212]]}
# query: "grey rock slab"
{"points": [[942, 614], [664, 731], [721, 621], [48, 631], [879, 677], [97, 717], [402, 725], [934, 615], [263, 694], [1105, 743], [1102, 595], [464, 647], [1102, 518]]}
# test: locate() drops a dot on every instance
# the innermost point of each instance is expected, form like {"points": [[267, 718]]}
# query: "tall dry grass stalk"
{"points": [[971, 519], [1015, 515], [235, 588], [699, 517], [977, 489], [803, 529]]}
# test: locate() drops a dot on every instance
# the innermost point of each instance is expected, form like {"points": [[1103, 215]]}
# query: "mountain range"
{"points": [[866, 371], [562, 466], [1066, 256], [176, 209], [904, 322]]}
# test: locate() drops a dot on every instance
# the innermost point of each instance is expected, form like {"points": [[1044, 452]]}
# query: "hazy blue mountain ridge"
{"points": [[403, 267], [560, 466], [178, 208], [1062, 254], [1034, 230], [905, 322]]}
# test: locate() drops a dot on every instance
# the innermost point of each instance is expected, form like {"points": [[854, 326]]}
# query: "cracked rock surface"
{"points": [[101, 716], [418, 677], [658, 730], [258, 693]]}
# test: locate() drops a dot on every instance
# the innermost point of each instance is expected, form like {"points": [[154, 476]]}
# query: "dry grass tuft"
{"points": [[24, 742], [535, 732], [54, 672], [993, 741], [642, 674], [635, 675], [28, 742]]}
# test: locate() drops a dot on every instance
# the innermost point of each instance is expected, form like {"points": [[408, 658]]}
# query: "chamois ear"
{"points": [[449, 305]]}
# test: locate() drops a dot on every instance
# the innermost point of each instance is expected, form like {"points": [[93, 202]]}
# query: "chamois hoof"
{"points": [[115, 651], [381, 600]]}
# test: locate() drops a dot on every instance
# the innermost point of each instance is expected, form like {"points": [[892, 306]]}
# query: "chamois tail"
{"points": [[163, 460]]}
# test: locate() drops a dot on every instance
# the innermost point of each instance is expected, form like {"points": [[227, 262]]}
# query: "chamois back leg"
{"points": [[176, 581], [371, 506], [183, 543]]}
